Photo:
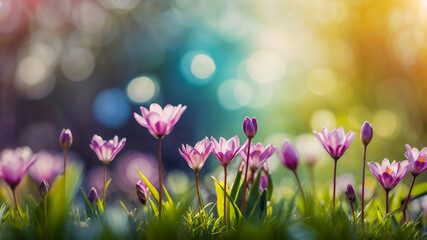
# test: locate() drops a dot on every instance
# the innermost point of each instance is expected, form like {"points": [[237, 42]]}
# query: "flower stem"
{"points": [[225, 195], [313, 187], [16, 203], [104, 195], [246, 176], [45, 209], [363, 188], [386, 202], [352, 211], [198, 192], [407, 199], [160, 178], [335, 179], [300, 188], [65, 168]]}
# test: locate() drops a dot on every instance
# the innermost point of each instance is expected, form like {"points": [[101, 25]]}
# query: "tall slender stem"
{"points": [[386, 202], [16, 202], [335, 178], [160, 178], [65, 167], [313, 187], [363, 188], [352, 211], [300, 188], [225, 195], [198, 191], [407, 199], [104, 195], [246, 176], [45, 209]]}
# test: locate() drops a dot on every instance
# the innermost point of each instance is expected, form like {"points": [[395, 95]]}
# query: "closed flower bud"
{"points": [[65, 139], [350, 193], [93, 196], [288, 155], [143, 192], [43, 188], [263, 183], [366, 133], [250, 127]]}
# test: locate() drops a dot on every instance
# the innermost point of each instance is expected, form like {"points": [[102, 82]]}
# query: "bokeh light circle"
{"points": [[266, 66], [142, 89], [387, 124], [323, 118], [234, 94], [77, 64], [198, 68], [111, 107], [321, 81]]}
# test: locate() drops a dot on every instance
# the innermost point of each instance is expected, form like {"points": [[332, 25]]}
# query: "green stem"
{"points": [[225, 195], [407, 199], [160, 178], [300, 188], [16, 203], [386, 202], [198, 191], [45, 209], [65, 168], [246, 176], [104, 195], [363, 188], [335, 179]]}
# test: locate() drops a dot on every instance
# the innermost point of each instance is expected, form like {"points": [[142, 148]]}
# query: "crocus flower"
{"points": [[196, 157], [258, 154], [158, 121], [416, 159], [65, 138], [143, 192], [250, 127], [263, 183], [416, 165], [47, 167], [43, 188], [335, 142], [14, 164], [225, 150], [288, 155], [366, 133], [92, 196], [106, 151], [350, 193], [389, 174]]}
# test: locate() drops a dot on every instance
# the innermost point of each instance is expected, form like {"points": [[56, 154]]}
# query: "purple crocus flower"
{"points": [[288, 155], [158, 121], [335, 142], [106, 151], [92, 196], [14, 164], [416, 159], [48, 167], [196, 157], [350, 193], [65, 138], [366, 133], [225, 150], [389, 175], [263, 183], [143, 192], [250, 127], [258, 154]]}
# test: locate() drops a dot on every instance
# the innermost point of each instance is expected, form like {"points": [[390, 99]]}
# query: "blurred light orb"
{"points": [[202, 66], [31, 70], [111, 107], [321, 81], [387, 124], [142, 89], [119, 4], [90, 18], [323, 118], [52, 14], [197, 67], [234, 94], [178, 181], [10, 20], [77, 64], [358, 115], [266, 66]]}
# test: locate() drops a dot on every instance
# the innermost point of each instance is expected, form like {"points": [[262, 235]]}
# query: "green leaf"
{"points": [[154, 207], [219, 199], [237, 212], [88, 205], [236, 185], [107, 184], [168, 197], [125, 209], [253, 195], [269, 188], [150, 186]]}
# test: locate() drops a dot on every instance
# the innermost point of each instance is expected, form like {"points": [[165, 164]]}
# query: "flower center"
{"points": [[421, 159], [259, 149], [388, 170]]}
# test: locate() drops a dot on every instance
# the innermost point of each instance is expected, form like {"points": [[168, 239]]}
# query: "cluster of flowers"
{"points": [[161, 121]]}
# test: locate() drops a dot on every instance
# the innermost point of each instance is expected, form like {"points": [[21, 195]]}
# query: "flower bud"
{"points": [[65, 139], [250, 127], [93, 196], [288, 155], [143, 192], [350, 193], [366, 133], [263, 183], [43, 188]]}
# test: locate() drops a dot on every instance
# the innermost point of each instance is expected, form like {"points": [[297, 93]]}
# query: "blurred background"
{"points": [[296, 66]]}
